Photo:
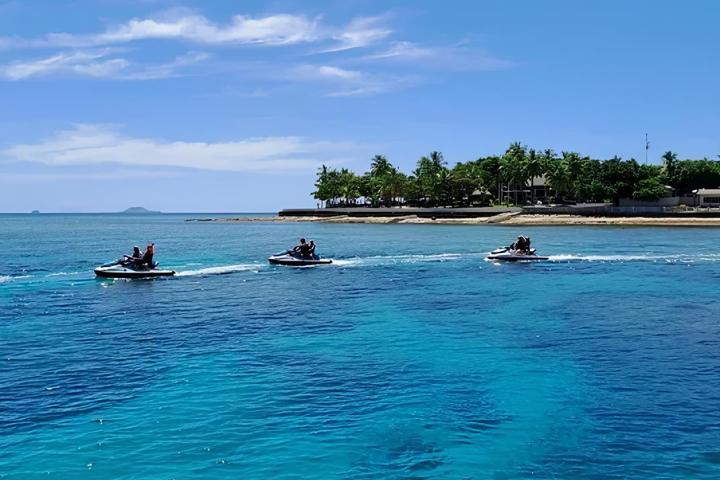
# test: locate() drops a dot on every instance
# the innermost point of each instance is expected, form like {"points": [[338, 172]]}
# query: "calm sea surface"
{"points": [[410, 357]]}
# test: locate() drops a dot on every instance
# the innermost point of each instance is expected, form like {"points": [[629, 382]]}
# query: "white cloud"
{"points": [[319, 72], [460, 57], [345, 83], [280, 29], [97, 54], [96, 63], [271, 30], [360, 32], [407, 50], [97, 145], [166, 70], [182, 25], [89, 63]]}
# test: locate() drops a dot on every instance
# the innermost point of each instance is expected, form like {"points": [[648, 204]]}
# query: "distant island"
{"points": [[139, 211], [35, 212]]}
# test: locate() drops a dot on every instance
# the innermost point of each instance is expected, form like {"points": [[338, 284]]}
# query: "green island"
{"points": [[523, 186], [521, 176]]}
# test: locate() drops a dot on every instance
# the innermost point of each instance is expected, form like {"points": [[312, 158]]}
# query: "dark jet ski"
{"points": [[121, 269], [293, 259], [507, 254]]}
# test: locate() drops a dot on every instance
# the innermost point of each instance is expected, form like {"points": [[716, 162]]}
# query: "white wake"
{"points": [[221, 270]]}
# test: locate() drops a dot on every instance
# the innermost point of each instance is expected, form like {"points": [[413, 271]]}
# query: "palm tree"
{"points": [[513, 166], [380, 166], [442, 186], [379, 183], [321, 185], [534, 166], [430, 177], [349, 186], [670, 160], [437, 160], [558, 176]]}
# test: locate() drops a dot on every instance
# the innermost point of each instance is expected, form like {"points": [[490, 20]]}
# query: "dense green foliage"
{"points": [[511, 179]]}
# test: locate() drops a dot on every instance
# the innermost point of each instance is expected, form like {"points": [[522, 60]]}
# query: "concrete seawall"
{"points": [[399, 212], [585, 210]]}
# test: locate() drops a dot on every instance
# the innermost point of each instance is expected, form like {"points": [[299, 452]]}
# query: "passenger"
{"points": [[134, 259], [303, 248], [311, 243], [522, 244], [147, 259]]}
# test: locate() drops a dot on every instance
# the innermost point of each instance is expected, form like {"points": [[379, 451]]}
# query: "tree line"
{"points": [[511, 179]]}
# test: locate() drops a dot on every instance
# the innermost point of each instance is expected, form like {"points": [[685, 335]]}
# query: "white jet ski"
{"points": [[121, 269], [296, 260], [509, 255]]}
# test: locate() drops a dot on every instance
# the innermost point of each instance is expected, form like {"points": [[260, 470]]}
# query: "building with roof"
{"points": [[707, 197]]}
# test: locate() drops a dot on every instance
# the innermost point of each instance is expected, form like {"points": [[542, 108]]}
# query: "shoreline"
{"points": [[502, 219]]}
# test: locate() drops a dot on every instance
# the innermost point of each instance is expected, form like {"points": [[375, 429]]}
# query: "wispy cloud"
{"points": [[87, 63], [360, 32], [97, 145], [326, 72], [173, 68], [366, 41], [182, 25], [343, 82], [280, 29], [99, 63], [270, 30], [460, 56]]}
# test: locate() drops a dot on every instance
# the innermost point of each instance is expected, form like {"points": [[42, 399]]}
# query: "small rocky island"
{"points": [[139, 211]]}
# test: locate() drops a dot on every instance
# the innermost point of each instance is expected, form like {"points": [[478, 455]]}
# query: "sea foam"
{"points": [[220, 270]]}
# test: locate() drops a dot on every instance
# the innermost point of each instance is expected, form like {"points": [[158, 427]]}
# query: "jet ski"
{"points": [[500, 250], [507, 254], [121, 269], [292, 259]]}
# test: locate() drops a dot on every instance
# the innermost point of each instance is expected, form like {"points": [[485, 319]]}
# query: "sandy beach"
{"points": [[503, 219]]}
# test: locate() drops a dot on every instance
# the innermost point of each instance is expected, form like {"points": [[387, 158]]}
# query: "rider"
{"points": [[312, 248], [136, 257], [303, 248], [147, 259], [522, 244]]}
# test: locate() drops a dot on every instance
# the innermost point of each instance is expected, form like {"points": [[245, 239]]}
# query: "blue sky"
{"points": [[232, 105]]}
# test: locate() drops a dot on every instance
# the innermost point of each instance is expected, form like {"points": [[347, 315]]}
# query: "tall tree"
{"points": [[431, 175], [534, 167], [670, 167], [513, 167]]}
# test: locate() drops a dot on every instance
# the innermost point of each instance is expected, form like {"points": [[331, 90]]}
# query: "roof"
{"points": [[714, 192], [536, 181]]}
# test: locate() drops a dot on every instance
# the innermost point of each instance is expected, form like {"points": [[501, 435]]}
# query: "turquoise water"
{"points": [[411, 357]]}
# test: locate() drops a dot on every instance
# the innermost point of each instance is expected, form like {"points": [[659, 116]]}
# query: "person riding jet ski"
{"points": [[304, 249], [135, 259], [147, 259], [138, 259], [522, 244]]}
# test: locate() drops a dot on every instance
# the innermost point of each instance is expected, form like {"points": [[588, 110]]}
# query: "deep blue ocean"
{"points": [[410, 357]]}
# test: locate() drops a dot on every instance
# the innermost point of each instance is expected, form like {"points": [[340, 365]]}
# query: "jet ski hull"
{"points": [[118, 271], [290, 261], [510, 257], [500, 250]]}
